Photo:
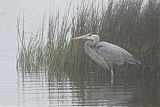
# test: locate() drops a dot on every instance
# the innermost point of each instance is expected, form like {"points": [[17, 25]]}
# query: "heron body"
{"points": [[106, 54]]}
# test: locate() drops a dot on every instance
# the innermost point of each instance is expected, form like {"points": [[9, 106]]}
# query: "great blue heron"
{"points": [[106, 54]]}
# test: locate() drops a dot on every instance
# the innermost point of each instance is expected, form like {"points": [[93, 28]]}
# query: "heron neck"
{"points": [[89, 49]]}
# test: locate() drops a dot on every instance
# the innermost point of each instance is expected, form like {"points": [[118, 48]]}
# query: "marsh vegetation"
{"points": [[131, 24]]}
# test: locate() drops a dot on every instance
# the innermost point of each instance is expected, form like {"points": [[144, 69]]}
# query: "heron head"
{"points": [[88, 37]]}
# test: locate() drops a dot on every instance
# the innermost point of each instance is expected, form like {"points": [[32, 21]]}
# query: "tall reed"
{"points": [[127, 23]]}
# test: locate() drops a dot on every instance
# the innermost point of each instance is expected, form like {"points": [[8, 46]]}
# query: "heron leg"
{"points": [[112, 74]]}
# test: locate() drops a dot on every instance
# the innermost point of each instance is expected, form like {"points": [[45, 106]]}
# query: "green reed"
{"points": [[125, 24]]}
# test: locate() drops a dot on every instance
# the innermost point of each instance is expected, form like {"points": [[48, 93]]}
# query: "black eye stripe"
{"points": [[90, 34]]}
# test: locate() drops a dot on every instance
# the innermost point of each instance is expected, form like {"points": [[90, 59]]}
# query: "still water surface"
{"points": [[42, 88], [63, 89]]}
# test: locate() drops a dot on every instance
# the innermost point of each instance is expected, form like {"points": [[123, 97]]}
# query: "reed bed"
{"points": [[131, 24]]}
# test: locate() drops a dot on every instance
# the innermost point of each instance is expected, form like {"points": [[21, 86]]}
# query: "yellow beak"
{"points": [[84, 37], [80, 37]]}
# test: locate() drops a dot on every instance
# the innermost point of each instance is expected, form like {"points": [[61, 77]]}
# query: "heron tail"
{"points": [[134, 61]]}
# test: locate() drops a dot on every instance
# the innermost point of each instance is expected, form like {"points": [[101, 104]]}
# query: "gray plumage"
{"points": [[106, 54], [114, 54]]}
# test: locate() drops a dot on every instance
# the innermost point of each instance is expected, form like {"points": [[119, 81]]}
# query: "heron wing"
{"points": [[114, 54]]}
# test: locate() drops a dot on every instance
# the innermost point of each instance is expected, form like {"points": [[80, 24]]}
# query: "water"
{"points": [[63, 89], [42, 88]]}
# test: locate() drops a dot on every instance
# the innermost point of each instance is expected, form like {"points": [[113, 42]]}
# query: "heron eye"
{"points": [[92, 40]]}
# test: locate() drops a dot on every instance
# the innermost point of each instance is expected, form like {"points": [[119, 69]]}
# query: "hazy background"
{"points": [[43, 88]]}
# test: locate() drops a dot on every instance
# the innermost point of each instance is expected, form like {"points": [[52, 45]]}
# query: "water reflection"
{"points": [[61, 89], [147, 94]]}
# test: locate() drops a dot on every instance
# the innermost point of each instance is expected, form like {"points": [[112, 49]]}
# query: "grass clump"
{"points": [[128, 23]]}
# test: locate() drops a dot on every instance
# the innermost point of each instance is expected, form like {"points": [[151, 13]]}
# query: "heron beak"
{"points": [[80, 37], [84, 37]]}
